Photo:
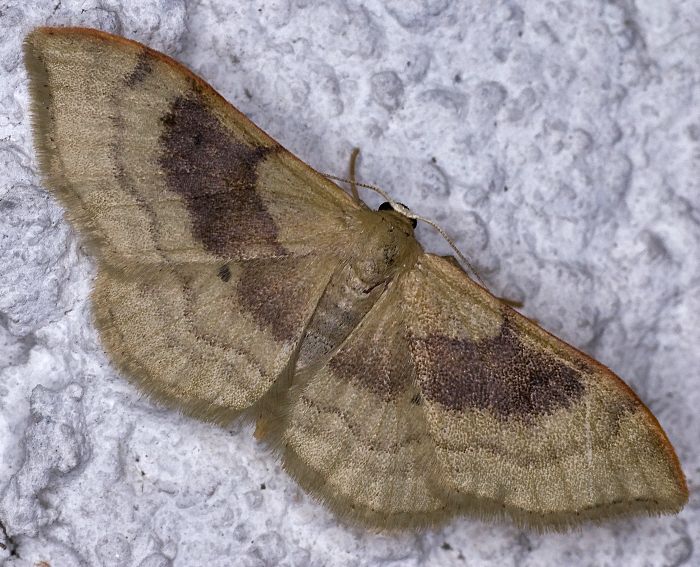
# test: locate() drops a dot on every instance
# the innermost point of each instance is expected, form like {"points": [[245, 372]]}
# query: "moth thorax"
{"points": [[388, 247]]}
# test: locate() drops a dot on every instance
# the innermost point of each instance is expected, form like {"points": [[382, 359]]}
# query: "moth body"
{"points": [[386, 249], [229, 270]]}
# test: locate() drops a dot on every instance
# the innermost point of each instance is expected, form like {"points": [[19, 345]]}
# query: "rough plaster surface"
{"points": [[559, 142]]}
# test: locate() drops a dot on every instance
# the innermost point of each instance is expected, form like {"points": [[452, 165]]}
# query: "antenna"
{"points": [[402, 209]]}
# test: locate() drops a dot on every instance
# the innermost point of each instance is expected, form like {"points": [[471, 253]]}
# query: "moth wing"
{"points": [[524, 425], [443, 401], [213, 242], [353, 432]]}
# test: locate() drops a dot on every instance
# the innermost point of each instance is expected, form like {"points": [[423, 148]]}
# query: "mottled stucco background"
{"points": [[558, 142]]}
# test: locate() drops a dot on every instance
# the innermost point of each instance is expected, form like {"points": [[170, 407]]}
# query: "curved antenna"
{"points": [[402, 209]]}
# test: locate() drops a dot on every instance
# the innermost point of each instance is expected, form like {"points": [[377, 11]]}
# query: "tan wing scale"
{"points": [[523, 424], [443, 400], [225, 263], [353, 431], [202, 225]]}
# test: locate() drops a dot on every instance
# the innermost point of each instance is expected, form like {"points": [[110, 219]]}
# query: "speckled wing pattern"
{"points": [[233, 277], [202, 293], [355, 431], [524, 425], [446, 401]]}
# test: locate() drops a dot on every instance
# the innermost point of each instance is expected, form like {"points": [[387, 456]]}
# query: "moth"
{"points": [[233, 279]]}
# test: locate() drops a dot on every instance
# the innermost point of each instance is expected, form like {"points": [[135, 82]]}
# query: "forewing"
{"points": [[202, 225], [524, 425]]}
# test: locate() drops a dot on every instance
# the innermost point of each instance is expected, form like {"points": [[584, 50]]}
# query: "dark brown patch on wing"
{"points": [[275, 296], [375, 365], [500, 374], [216, 175], [224, 273], [142, 69]]}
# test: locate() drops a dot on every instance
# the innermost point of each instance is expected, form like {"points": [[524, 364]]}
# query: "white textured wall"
{"points": [[559, 142]]}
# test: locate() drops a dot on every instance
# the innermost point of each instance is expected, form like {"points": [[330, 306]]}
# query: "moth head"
{"points": [[387, 206]]}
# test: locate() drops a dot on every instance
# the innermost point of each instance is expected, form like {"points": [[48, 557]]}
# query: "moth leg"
{"points": [[262, 428], [514, 303]]}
